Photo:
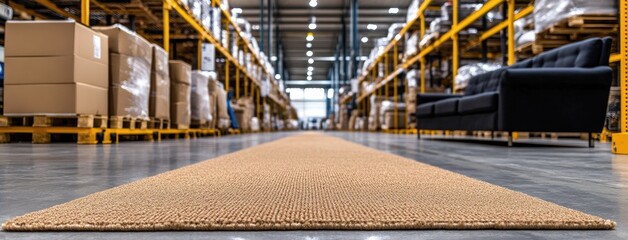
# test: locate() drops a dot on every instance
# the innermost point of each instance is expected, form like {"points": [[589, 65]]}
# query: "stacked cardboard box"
{"points": [[244, 118], [411, 106], [159, 104], [200, 100], [55, 67], [131, 59], [180, 74]]}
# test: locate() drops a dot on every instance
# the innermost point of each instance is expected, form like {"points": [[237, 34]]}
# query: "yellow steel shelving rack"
{"points": [[278, 100], [457, 26]]}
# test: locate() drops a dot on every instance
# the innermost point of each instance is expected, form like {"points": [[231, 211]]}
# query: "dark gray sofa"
{"points": [[562, 90]]}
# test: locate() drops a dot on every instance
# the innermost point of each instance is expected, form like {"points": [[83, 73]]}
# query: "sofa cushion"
{"points": [[479, 103], [446, 107], [425, 110], [585, 53]]}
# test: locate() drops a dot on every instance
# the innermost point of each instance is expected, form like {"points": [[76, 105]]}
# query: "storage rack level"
{"points": [[449, 43], [155, 16]]}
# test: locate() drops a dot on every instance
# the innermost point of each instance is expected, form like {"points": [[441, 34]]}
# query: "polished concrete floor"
{"points": [[33, 177]]}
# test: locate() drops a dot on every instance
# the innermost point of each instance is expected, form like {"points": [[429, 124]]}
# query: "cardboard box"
{"points": [[159, 101], [55, 67], [43, 52], [54, 38], [69, 98], [180, 90], [124, 41], [180, 71], [180, 114], [130, 86]]}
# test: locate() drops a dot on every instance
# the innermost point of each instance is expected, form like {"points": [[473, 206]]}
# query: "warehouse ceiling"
{"points": [[293, 18]]}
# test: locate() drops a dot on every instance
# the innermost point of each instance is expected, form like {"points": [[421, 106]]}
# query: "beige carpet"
{"points": [[310, 181]]}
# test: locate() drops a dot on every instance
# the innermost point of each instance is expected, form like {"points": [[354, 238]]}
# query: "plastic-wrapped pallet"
{"points": [[216, 28], [550, 12], [522, 35], [195, 7], [159, 103], [412, 45], [413, 10], [466, 72], [373, 119], [255, 124], [130, 64], [393, 30], [200, 101], [218, 93], [464, 10], [387, 115], [206, 15]]}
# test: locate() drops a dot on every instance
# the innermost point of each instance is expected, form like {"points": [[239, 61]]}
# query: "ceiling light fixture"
{"points": [[236, 10], [313, 3], [273, 58], [310, 68], [371, 26], [310, 37], [277, 76], [309, 78], [365, 39], [310, 61], [309, 53], [309, 73], [308, 45], [255, 27], [393, 10]]}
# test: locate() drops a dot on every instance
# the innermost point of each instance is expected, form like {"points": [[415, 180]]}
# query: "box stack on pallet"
{"points": [[108, 83]]}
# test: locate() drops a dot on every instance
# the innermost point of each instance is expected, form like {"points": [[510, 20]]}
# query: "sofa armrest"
{"points": [[553, 99], [433, 97]]}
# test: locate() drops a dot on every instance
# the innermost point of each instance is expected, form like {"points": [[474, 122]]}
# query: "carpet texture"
{"points": [[310, 181]]}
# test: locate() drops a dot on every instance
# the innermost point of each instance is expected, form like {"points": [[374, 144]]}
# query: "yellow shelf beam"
{"points": [[419, 17], [53, 7]]}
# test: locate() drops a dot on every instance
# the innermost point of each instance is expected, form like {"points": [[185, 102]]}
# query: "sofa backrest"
{"points": [[485, 82], [587, 53]]}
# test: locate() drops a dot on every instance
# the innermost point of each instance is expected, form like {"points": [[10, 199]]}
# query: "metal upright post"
{"points": [[85, 12], [620, 140], [166, 22], [511, 32], [454, 38]]}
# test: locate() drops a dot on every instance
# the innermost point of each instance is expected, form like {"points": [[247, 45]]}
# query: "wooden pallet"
{"points": [[197, 124], [82, 128], [124, 122], [158, 123], [569, 30]]}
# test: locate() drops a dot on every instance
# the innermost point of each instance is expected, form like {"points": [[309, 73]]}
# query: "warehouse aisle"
{"points": [[597, 186]]}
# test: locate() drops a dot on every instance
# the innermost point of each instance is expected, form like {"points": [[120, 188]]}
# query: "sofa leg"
{"points": [[591, 140], [509, 139]]}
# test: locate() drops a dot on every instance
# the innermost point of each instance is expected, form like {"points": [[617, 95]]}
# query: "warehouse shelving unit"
{"points": [[155, 20], [448, 43]]}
